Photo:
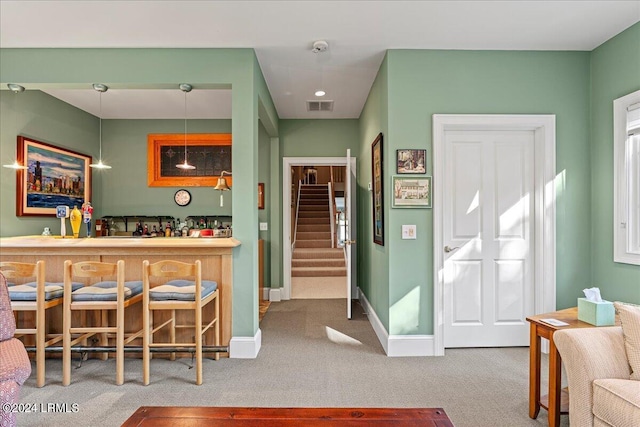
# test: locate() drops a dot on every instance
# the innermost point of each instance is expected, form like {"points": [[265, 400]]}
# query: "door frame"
{"points": [[287, 164], [544, 128]]}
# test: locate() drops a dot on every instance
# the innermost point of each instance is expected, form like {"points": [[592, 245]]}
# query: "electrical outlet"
{"points": [[264, 226]]}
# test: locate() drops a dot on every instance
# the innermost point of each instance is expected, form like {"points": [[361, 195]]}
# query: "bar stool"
{"points": [[177, 294], [98, 295], [37, 296]]}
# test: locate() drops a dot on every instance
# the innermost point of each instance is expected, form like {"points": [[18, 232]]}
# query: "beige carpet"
{"points": [[318, 287]]}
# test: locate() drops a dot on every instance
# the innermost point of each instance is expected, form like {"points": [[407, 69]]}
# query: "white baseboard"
{"points": [[245, 347], [265, 293], [397, 345], [274, 294]]}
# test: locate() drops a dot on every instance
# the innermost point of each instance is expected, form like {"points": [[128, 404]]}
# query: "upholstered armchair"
{"points": [[15, 366]]}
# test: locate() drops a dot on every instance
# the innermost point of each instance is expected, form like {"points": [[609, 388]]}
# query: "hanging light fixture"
{"points": [[15, 88], [185, 87], [100, 88]]}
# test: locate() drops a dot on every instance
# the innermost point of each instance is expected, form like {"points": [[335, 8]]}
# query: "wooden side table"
{"points": [[539, 330]]}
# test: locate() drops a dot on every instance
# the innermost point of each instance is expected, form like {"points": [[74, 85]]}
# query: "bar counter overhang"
{"points": [[216, 255]]}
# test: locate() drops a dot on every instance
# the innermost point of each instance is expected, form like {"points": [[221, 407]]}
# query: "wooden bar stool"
{"points": [[171, 293], [37, 297], [97, 295]]}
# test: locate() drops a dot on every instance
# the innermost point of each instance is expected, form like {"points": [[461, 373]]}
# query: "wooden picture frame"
{"points": [[377, 190], [411, 192], [210, 153], [54, 176], [410, 161], [261, 195]]}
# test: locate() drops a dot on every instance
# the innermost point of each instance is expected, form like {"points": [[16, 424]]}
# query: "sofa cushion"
{"points": [[617, 401], [630, 320], [14, 363]]}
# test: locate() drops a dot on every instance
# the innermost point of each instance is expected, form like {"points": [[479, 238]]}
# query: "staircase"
{"points": [[313, 255]]}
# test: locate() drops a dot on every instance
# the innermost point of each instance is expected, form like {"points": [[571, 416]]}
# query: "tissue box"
{"points": [[596, 313]]}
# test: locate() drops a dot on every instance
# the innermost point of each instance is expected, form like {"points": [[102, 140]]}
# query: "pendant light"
{"points": [[15, 88], [100, 88], [185, 87]]}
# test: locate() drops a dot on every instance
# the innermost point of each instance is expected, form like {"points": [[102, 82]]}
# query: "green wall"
{"points": [[165, 68], [318, 138], [373, 260], [264, 176], [615, 72], [422, 83], [47, 119]]}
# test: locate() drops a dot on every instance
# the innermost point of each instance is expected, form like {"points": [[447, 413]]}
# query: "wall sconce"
{"points": [[222, 186]]}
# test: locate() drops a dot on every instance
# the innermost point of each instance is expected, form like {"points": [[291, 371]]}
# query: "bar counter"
{"points": [[216, 255]]}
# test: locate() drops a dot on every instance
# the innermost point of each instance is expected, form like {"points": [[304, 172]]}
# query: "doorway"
{"points": [[314, 189], [494, 248]]}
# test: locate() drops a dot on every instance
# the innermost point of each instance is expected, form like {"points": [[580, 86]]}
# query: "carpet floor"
{"points": [[311, 356]]}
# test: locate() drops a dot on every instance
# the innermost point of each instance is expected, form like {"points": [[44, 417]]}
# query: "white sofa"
{"points": [[600, 391]]}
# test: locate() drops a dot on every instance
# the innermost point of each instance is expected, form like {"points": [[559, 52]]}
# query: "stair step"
{"points": [[317, 271], [315, 253], [330, 262], [313, 220], [320, 208], [314, 227], [313, 235], [314, 214], [313, 243], [317, 201]]}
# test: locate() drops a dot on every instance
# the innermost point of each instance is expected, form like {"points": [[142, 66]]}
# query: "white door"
{"points": [[350, 235], [488, 237]]}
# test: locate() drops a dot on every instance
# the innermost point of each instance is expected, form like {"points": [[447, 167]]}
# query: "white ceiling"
{"points": [[282, 34]]}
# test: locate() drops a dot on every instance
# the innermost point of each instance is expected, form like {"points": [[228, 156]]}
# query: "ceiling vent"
{"points": [[319, 105]]}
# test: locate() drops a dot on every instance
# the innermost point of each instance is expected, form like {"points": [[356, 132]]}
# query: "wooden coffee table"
{"points": [[558, 400], [270, 417]]}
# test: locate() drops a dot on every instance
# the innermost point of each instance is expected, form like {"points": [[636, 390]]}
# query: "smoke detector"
{"points": [[320, 46]]}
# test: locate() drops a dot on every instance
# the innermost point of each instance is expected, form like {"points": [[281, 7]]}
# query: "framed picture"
{"points": [[261, 195], [411, 192], [377, 189], [411, 161], [210, 153], [54, 176]]}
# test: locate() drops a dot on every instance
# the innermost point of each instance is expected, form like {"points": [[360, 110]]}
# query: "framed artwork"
{"points": [[411, 192], [377, 189], [54, 176], [411, 161], [210, 153], [261, 195]]}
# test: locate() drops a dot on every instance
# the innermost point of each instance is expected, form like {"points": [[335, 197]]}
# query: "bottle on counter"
{"points": [[145, 230], [154, 232], [167, 230]]}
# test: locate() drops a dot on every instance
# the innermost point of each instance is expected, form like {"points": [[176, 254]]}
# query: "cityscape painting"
{"points": [[54, 176]]}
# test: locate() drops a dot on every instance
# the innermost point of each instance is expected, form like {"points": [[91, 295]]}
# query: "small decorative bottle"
{"points": [[76, 219]]}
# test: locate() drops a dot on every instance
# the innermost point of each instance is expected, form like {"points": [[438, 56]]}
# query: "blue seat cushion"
{"points": [[181, 290], [106, 291], [28, 291]]}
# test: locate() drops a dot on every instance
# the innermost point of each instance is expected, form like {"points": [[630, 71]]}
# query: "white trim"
{"points": [[544, 127], [245, 347], [265, 293], [620, 233], [397, 345], [275, 294], [287, 163]]}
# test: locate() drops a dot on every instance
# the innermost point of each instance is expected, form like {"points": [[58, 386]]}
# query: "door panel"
{"points": [[488, 273]]}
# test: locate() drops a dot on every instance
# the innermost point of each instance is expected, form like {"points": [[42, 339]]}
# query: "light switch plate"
{"points": [[264, 226], [408, 232]]}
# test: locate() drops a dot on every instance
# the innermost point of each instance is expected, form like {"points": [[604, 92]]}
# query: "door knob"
{"points": [[447, 249], [349, 242]]}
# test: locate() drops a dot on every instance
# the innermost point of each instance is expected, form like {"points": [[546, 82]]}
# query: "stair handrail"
{"points": [[295, 229], [332, 210]]}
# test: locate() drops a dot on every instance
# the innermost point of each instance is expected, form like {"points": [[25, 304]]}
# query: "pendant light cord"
{"points": [[185, 127], [100, 127]]}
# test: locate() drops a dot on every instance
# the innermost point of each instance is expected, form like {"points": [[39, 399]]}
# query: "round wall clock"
{"points": [[182, 197]]}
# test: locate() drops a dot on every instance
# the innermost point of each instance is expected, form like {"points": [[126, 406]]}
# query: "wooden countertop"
{"points": [[116, 242]]}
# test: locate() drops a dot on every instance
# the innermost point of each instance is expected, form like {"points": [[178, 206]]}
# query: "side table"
{"points": [[539, 329]]}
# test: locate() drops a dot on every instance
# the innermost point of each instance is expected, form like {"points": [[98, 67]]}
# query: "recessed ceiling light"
{"points": [[320, 93]]}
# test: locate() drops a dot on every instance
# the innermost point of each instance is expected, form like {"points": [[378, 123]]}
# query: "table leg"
{"points": [[534, 372], [555, 382]]}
